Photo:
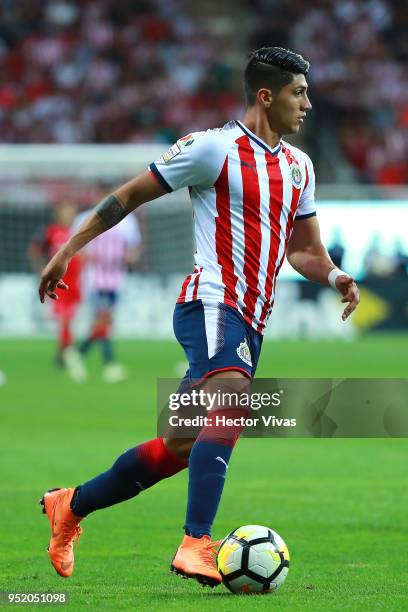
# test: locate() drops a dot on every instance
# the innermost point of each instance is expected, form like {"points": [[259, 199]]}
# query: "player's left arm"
{"points": [[307, 255], [109, 212]]}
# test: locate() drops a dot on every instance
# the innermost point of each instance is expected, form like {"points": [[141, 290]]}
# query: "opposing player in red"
{"points": [[253, 199], [42, 248]]}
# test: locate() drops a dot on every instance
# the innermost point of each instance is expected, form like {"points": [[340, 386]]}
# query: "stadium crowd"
{"points": [[106, 71], [150, 70], [359, 80]]}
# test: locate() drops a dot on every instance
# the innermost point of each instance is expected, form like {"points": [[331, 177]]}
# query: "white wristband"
{"points": [[333, 274]]}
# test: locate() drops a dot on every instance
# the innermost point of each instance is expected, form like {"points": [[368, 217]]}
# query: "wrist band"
{"points": [[333, 274]]}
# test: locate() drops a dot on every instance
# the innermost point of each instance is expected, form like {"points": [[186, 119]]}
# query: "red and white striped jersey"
{"points": [[105, 256], [245, 197]]}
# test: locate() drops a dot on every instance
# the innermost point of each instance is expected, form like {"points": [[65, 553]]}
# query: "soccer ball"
{"points": [[253, 559]]}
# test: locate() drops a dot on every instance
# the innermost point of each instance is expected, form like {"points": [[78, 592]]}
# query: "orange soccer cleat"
{"points": [[195, 559], [65, 529]]}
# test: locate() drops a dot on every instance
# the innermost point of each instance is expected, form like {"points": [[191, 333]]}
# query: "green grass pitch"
{"points": [[341, 505]]}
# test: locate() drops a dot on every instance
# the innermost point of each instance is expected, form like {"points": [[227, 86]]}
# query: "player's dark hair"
{"points": [[273, 68]]}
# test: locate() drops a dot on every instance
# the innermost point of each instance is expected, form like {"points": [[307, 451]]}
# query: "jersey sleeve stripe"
{"points": [[307, 216], [153, 169]]}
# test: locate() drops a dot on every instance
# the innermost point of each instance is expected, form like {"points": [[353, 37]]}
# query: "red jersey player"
{"points": [[253, 200], [42, 248]]}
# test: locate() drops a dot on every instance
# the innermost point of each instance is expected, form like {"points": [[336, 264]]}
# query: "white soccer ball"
{"points": [[253, 559]]}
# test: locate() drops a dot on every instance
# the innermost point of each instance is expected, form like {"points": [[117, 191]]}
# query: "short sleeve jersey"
{"points": [[245, 197]]}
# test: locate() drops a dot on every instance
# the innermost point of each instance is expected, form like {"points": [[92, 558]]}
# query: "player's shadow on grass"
{"points": [[207, 593]]}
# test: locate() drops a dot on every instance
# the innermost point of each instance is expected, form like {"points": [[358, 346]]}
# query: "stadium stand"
{"points": [[109, 72], [359, 80]]}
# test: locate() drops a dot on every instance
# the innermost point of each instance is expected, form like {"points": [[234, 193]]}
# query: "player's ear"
{"points": [[265, 97]]}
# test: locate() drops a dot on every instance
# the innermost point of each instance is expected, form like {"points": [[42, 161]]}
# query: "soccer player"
{"points": [[41, 249], [105, 262], [253, 199]]}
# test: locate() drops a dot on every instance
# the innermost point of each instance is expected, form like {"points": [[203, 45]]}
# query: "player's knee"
{"points": [[180, 447]]}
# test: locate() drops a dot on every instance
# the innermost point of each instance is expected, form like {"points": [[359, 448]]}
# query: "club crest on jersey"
{"points": [[244, 353], [296, 175]]}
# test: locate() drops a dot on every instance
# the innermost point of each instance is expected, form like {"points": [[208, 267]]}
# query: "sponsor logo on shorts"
{"points": [[244, 353]]}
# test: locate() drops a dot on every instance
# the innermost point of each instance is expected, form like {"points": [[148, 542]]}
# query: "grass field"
{"points": [[341, 505]]}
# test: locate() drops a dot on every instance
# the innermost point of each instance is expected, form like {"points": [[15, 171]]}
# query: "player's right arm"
{"points": [[110, 211]]}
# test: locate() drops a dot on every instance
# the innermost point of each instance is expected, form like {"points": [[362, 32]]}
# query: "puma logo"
{"points": [[248, 165], [222, 461]]}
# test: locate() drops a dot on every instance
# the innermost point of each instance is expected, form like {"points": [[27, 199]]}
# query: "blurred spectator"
{"points": [[401, 259], [108, 71], [376, 262], [359, 77], [136, 71]]}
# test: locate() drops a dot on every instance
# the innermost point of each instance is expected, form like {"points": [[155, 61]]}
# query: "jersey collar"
{"points": [[258, 141]]}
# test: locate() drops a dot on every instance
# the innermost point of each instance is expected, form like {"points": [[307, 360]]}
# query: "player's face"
{"points": [[289, 106]]}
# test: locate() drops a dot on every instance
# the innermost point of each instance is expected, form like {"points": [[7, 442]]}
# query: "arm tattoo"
{"points": [[110, 211]]}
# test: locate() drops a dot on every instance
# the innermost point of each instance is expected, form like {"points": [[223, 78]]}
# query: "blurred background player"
{"points": [[106, 261], [44, 246]]}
